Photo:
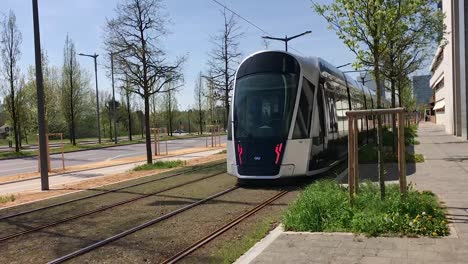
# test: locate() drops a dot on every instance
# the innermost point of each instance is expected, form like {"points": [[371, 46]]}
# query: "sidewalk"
{"points": [[445, 172]]}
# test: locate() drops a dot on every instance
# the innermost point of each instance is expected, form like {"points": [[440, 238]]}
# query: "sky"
{"points": [[193, 24]]}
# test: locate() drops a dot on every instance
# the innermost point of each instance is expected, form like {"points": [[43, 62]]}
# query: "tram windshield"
{"points": [[263, 105]]}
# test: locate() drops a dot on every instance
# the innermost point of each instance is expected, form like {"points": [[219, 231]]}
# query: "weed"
{"points": [[325, 206], [7, 199], [160, 165]]}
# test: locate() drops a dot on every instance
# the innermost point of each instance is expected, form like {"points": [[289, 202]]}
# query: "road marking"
{"points": [[126, 155], [18, 169]]}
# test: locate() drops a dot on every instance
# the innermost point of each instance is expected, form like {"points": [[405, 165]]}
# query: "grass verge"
{"points": [[231, 251], [324, 207], [160, 165], [7, 199], [368, 154]]}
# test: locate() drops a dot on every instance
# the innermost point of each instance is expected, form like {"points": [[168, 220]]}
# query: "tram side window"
{"points": [[331, 106], [318, 134], [304, 112]]}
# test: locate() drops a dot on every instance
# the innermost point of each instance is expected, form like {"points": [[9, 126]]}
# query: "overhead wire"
{"points": [[249, 22]]}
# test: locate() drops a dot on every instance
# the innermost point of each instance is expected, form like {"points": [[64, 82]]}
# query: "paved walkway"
{"points": [[445, 172], [73, 177]]}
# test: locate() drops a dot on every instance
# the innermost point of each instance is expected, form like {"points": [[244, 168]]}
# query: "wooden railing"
{"points": [[353, 155]]}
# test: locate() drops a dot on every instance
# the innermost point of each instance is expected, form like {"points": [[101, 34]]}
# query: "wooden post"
{"points": [[212, 137], [356, 156], [48, 153], [63, 149], [351, 158], [38, 156], [402, 152], [155, 141]]}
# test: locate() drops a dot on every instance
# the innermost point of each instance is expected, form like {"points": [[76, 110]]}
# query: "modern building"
{"points": [[448, 71], [368, 80], [421, 89]]}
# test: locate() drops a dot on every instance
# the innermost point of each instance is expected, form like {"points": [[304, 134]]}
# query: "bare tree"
{"points": [[224, 59], [126, 90], [170, 106], [135, 32], [200, 101], [10, 41], [73, 84]]}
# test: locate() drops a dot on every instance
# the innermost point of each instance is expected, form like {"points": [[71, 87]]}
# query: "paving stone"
{"points": [[376, 260]]}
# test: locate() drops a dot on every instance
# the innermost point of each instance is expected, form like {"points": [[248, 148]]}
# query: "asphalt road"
{"points": [[25, 165]]}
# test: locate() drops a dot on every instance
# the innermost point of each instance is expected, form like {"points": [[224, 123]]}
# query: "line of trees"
{"points": [[132, 37], [392, 38]]}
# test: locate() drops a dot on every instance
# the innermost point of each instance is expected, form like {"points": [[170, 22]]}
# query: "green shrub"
{"points": [[324, 207], [6, 199], [160, 165]]}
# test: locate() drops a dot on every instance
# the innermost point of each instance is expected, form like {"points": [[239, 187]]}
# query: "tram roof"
{"points": [[312, 63]]}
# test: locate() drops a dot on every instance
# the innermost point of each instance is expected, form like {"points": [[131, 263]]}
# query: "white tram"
{"points": [[288, 116]]}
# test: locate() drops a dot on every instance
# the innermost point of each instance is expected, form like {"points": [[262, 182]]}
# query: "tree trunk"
{"points": [[380, 163], [201, 121], [394, 128], [129, 112], [149, 155]]}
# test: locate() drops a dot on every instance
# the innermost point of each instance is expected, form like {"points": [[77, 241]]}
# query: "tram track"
{"points": [[187, 251], [107, 191], [213, 235], [107, 207], [138, 228]]}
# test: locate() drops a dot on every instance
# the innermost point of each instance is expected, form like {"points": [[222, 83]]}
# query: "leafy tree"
{"points": [[135, 33], [224, 59], [363, 26], [75, 86], [10, 42], [418, 29]]}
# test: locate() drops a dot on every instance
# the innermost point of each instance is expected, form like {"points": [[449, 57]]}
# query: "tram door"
{"points": [[318, 159]]}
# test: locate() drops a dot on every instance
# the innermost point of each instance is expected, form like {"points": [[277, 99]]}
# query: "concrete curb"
{"points": [[260, 246]]}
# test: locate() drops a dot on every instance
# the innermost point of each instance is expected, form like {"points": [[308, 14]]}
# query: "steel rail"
{"points": [[101, 209], [187, 251], [106, 192], [137, 228]]}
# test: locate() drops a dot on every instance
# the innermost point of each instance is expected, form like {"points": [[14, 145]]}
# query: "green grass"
{"points": [[411, 133], [232, 250], [324, 207], [368, 154], [224, 151], [12, 154], [7, 199], [160, 165]]}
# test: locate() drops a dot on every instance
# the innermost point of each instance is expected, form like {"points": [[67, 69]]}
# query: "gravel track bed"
{"points": [[158, 242], [210, 253], [20, 223], [54, 242]]}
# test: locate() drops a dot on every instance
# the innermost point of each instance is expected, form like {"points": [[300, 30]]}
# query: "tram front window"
{"points": [[263, 105]]}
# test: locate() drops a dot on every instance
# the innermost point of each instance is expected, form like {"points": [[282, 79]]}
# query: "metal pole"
{"points": [[114, 114], [40, 100], [97, 99], [286, 42]]}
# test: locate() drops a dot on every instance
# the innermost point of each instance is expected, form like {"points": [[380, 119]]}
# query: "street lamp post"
{"points": [[97, 93], [286, 39], [114, 115], [40, 101]]}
